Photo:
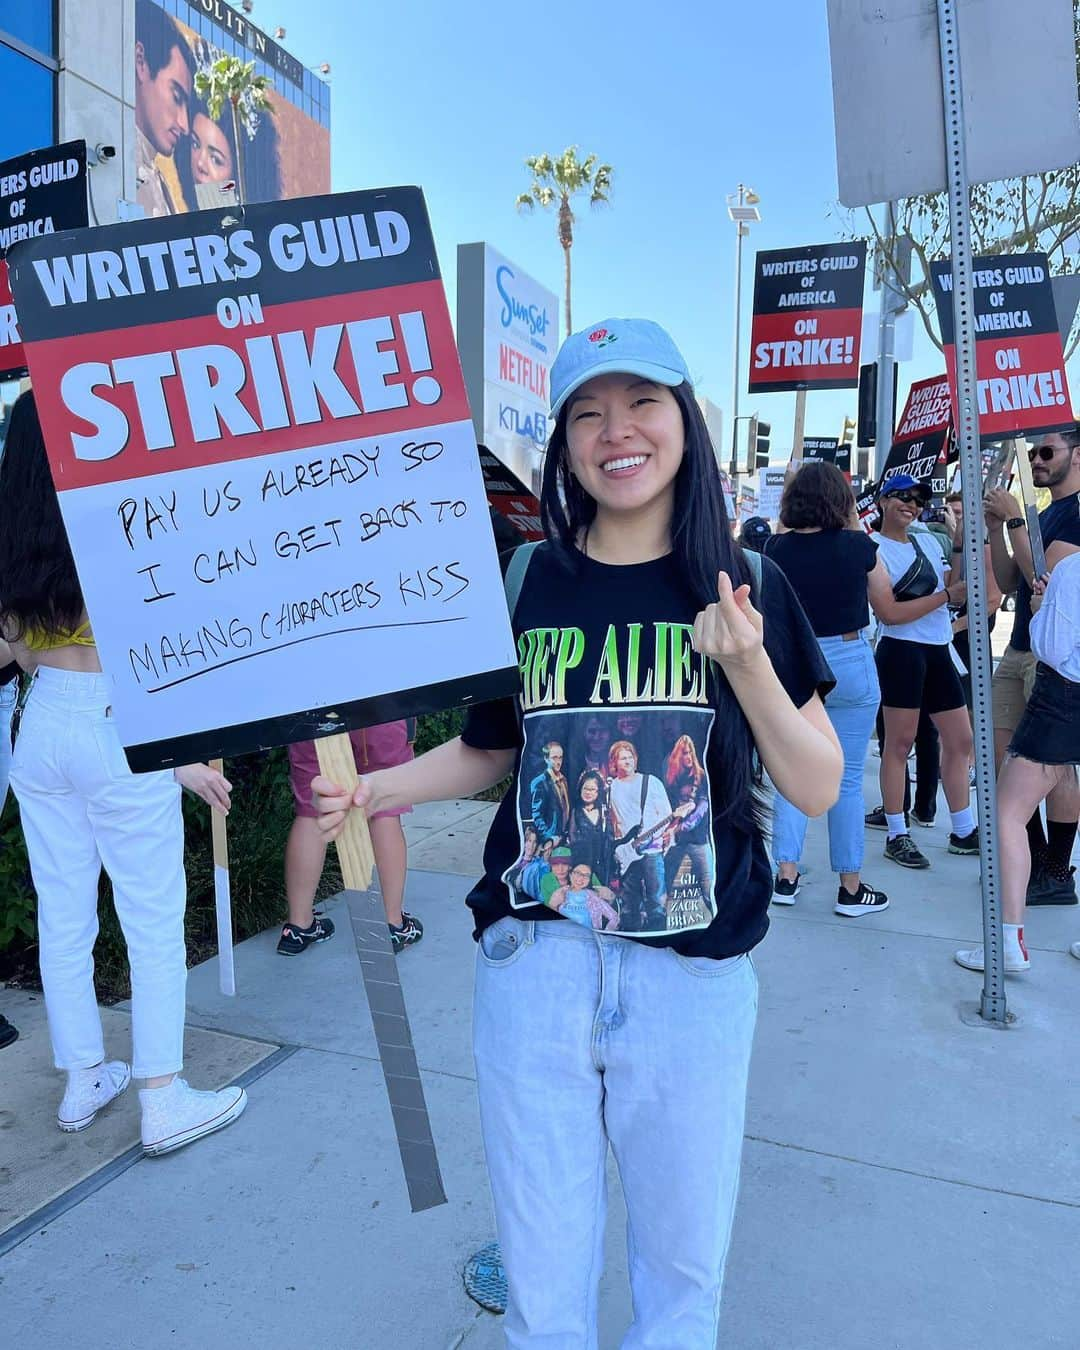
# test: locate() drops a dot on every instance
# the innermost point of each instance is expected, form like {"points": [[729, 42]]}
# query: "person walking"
{"points": [[827, 557], [910, 593], [582, 1036], [1055, 466], [1044, 750], [81, 808]]}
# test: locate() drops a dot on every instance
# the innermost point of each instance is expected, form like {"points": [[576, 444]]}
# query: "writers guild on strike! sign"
{"points": [[260, 433], [1022, 389], [807, 322], [40, 193]]}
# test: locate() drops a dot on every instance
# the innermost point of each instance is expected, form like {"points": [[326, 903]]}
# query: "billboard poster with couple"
{"points": [[183, 155]]}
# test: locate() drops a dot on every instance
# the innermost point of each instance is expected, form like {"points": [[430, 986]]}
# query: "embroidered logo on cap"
{"points": [[602, 337]]}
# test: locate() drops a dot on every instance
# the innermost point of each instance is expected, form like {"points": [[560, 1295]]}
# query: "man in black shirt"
{"points": [[1055, 464]]}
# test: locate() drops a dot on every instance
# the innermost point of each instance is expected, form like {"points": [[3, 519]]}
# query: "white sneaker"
{"points": [[176, 1115], [1016, 961], [1075, 950], [88, 1090]]}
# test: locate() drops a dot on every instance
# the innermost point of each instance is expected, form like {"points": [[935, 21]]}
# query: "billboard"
{"points": [[807, 322], [508, 334], [184, 156]]}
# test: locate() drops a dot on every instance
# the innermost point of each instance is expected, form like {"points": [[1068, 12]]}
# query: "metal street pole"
{"points": [[886, 375], [992, 1005], [739, 228]]}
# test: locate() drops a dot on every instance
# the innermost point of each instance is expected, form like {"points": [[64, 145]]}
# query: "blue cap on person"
{"points": [[616, 347], [903, 482]]}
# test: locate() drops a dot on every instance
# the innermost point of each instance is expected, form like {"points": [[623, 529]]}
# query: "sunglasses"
{"points": [[909, 498], [1044, 452]]}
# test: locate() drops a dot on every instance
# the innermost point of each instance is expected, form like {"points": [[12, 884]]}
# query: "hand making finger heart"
{"points": [[729, 630]]}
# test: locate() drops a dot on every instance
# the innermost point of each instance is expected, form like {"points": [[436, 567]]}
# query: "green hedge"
{"points": [[258, 825]]}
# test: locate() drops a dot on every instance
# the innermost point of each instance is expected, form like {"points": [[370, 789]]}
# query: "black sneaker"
{"points": [[295, 939], [925, 821], [969, 844], [8, 1034], [409, 934], [784, 891], [1047, 889], [865, 901], [875, 819], [902, 850]]}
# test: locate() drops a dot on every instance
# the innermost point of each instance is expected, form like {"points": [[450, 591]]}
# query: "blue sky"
{"points": [[454, 97]]}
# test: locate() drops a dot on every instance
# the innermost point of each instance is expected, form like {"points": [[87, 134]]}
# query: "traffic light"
{"points": [[848, 437], [867, 428], [762, 431]]}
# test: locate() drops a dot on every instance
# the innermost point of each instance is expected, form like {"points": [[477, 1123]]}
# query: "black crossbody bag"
{"points": [[919, 580]]}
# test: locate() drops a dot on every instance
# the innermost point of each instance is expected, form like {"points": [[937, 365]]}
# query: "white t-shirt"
{"points": [[1055, 629], [626, 799], [935, 627]]}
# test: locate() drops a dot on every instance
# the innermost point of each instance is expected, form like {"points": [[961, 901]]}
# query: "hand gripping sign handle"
{"points": [[354, 842], [222, 897], [378, 967]]}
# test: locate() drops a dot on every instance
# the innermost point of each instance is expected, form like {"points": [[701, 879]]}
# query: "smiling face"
{"points": [[580, 877], [161, 100], [561, 868], [897, 514], [625, 440], [211, 154], [589, 792]]}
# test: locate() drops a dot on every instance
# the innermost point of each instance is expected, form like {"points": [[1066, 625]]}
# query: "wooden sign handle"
{"points": [[222, 896], [218, 827], [355, 853]]}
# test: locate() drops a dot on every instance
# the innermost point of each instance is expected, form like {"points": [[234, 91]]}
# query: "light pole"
{"points": [[742, 208]]}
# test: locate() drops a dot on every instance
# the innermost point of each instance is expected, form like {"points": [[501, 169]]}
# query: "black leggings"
{"points": [[927, 766]]}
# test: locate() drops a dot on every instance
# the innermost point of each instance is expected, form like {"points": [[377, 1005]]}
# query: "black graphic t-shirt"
{"points": [[609, 822]]}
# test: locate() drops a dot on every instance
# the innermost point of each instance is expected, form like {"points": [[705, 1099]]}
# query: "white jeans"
{"points": [[8, 694], [584, 1040], [81, 806]]}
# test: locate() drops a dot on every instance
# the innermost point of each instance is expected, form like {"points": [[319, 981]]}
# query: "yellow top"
{"points": [[38, 641]]}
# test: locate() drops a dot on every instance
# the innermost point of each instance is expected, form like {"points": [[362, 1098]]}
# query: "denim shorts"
{"points": [[1049, 731]]}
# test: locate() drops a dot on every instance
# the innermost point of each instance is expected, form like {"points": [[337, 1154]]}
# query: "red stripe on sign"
{"points": [[805, 346], [1022, 385], [130, 402], [12, 356]]}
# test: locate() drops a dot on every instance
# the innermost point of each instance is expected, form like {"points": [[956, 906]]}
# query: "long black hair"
{"points": [[702, 546], [39, 587]]}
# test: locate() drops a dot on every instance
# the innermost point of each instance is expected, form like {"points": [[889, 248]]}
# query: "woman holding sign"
{"points": [[584, 1036], [82, 807]]}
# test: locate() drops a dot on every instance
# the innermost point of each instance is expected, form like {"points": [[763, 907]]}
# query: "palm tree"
{"points": [[230, 80], [558, 180]]}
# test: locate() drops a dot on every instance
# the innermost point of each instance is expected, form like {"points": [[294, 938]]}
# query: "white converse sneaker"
{"points": [[1016, 960], [88, 1090], [176, 1115], [1075, 950]]}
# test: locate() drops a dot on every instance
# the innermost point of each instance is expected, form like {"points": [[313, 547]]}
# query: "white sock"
{"points": [[963, 822], [895, 824], [1014, 937]]}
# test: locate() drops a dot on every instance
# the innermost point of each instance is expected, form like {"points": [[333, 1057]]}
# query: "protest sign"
{"points": [[842, 459], [770, 490], [259, 433], [920, 445], [748, 503], [820, 447], [1022, 390], [807, 322], [40, 193], [509, 496]]}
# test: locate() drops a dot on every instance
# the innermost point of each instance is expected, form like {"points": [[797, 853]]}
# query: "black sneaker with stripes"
{"points": [[408, 934], [865, 901], [295, 939]]}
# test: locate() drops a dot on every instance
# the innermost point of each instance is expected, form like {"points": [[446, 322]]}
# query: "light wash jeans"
{"points": [[584, 1039], [852, 708], [81, 806], [8, 694]]}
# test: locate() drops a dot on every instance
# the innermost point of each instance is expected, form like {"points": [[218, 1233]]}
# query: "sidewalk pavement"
{"points": [[910, 1180]]}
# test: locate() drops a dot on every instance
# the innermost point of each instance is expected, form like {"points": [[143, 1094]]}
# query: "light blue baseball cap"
{"points": [[616, 347]]}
